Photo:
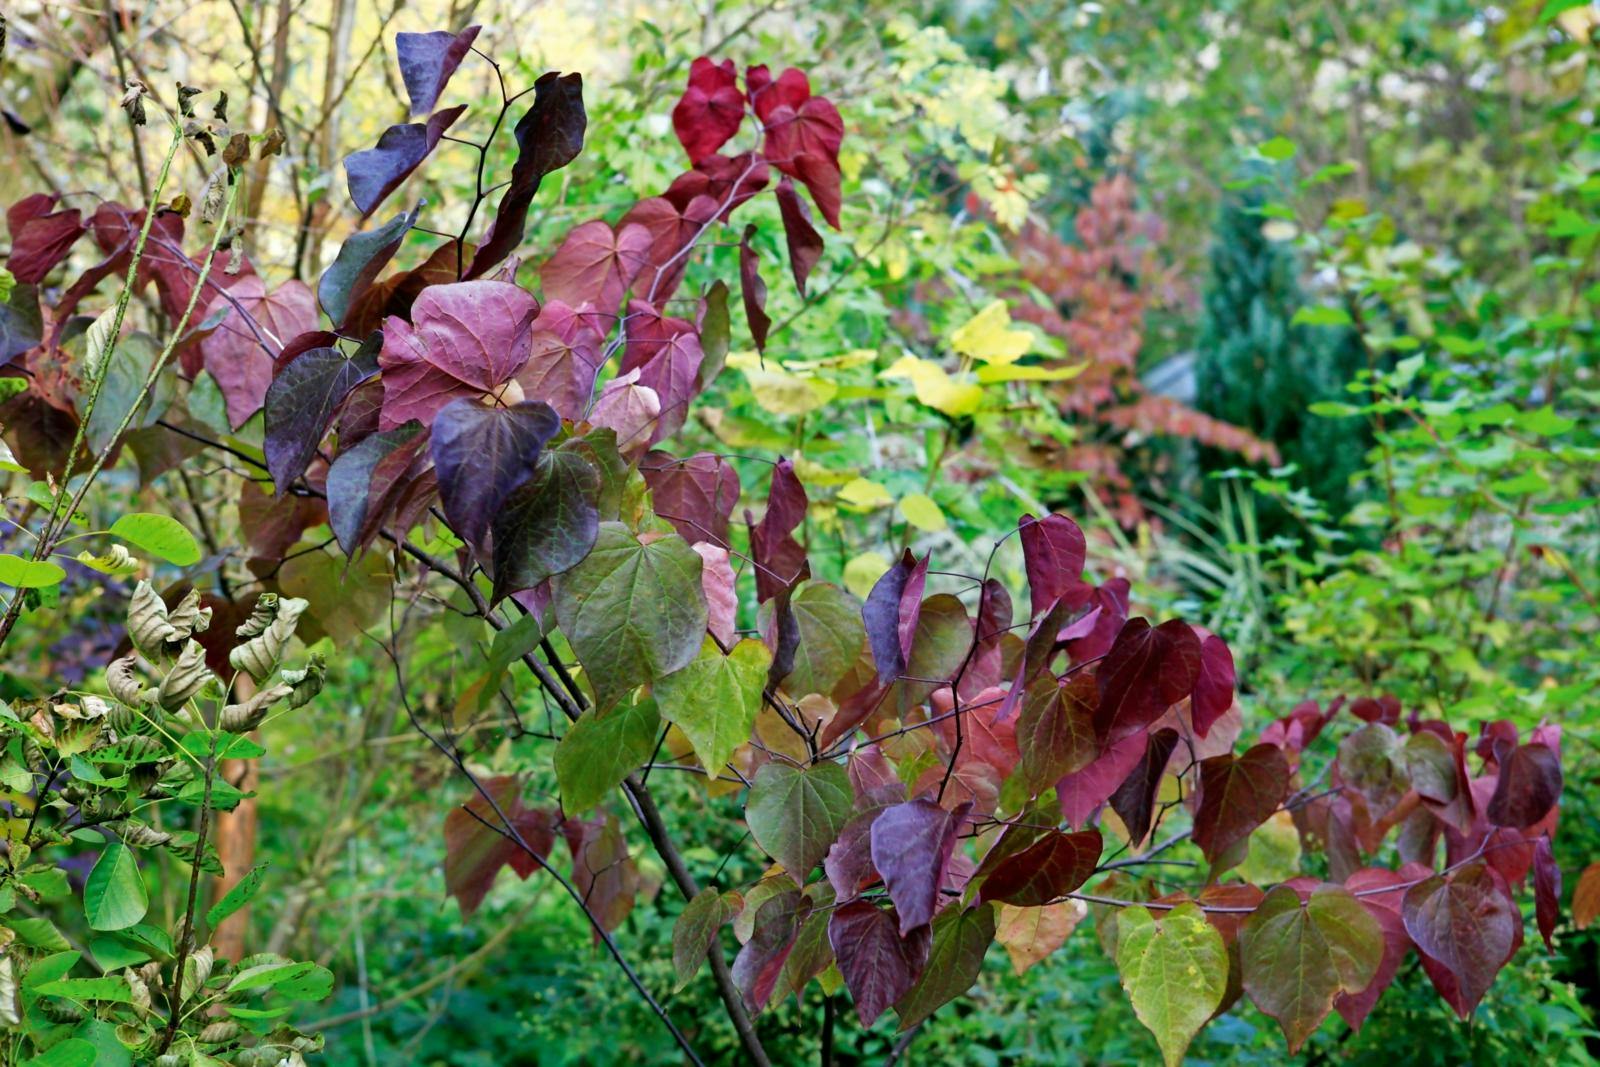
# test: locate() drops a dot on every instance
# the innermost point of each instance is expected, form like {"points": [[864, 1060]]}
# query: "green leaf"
{"points": [[633, 612], [1175, 970], [961, 936], [73, 1052], [1333, 409], [696, 930], [795, 815], [601, 749], [29, 574], [293, 981], [831, 637], [38, 933], [110, 987], [1295, 956], [714, 700], [114, 897], [237, 897], [1278, 149], [1321, 316], [510, 645], [159, 535]]}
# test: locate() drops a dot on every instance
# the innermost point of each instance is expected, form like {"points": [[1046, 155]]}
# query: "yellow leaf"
{"points": [[934, 386], [864, 495], [988, 336], [778, 391], [920, 511], [863, 572], [992, 374]]}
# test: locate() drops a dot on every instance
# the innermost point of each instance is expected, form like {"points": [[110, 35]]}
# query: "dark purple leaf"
{"points": [[1466, 923], [890, 615], [710, 110], [780, 560], [548, 524], [374, 173], [1147, 671], [549, 136], [754, 289], [697, 494], [879, 966], [1238, 794], [911, 846], [805, 243], [1045, 871], [427, 60], [362, 256], [21, 322], [363, 482], [1528, 787], [1135, 799], [482, 453], [301, 402]]}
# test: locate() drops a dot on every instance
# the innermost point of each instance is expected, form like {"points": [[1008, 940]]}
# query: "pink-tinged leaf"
{"points": [[760, 961], [1046, 871], [1055, 730], [464, 340], [1529, 786], [475, 852], [367, 480], [1135, 799], [240, 354], [780, 560], [961, 936], [1238, 794], [549, 136], [427, 60], [754, 290], [983, 738], [603, 873], [710, 110], [717, 582], [667, 354], [629, 410], [1147, 670], [891, 612], [672, 232], [1467, 924], [805, 243], [40, 238], [300, 405], [482, 454], [1385, 908], [1546, 891], [564, 357], [1081, 792], [1299, 728], [879, 966], [373, 173], [1111, 601], [1213, 688], [596, 264], [911, 846], [727, 183], [697, 494], [1053, 552]]}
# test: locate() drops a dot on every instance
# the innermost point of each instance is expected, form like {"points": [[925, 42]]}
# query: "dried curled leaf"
{"points": [[273, 145], [148, 626], [307, 681], [197, 970], [186, 95], [139, 991], [222, 1030], [237, 150], [269, 628], [242, 718], [139, 834], [189, 618], [116, 560], [186, 678], [133, 100]]}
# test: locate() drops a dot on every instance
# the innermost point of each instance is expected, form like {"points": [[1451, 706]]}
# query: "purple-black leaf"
{"points": [[885, 617], [548, 524], [374, 173], [427, 60], [1528, 787], [301, 402], [482, 454], [1135, 799], [356, 267], [780, 559]]}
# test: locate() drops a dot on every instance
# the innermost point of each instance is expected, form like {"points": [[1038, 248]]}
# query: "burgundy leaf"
{"points": [[464, 340], [780, 559], [1529, 786], [362, 256], [760, 962], [766, 95], [1467, 924], [596, 264], [1135, 799], [365, 481], [1045, 871], [805, 243], [40, 238], [710, 110], [1053, 553], [241, 351], [549, 136], [482, 453], [803, 135], [1213, 688], [893, 603], [300, 405], [911, 846], [475, 849], [427, 60], [754, 289], [667, 354], [879, 966], [672, 232], [373, 173], [994, 622], [605, 876], [564, 357], [1081, 792], [1111, 600], [1147, 670], [697, 495], [1385, 709], [1546, 891], [848, 864], [1238, 794], [727, 182]]}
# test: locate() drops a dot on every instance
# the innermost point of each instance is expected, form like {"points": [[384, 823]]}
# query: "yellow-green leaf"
{"points": [[715, 699], [988, 336], [159, 535], [920, 511], [27, 573], [1175, 970]]}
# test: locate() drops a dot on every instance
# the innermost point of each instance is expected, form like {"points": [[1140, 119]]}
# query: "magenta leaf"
{"points": [[1529, 786], [427, 60], [362, 256], [697, 494], [596, 264], [911, 846], [672, 231], [805, 243], [364, 482], [1082, 791], [667, 354], [240, 352], [1147, 670], [464, 340], [549, 136], [1045, 871], [1467, 924], [373, 173], [301, 402], [710, 110], [754, 290], [879, 966], [1135, 799], [548, 524], [564, 357], [780, 560], [1238, 794], [482, 453], [40, 238]]}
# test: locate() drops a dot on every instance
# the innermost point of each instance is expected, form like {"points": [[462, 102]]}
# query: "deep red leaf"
{"points": [[754, 290], [667, 354], [697, 494], [710, 110], [1053, 552], [1111, 601], [1147, 670], [672, 232], [1213, 689], [596, 264], [40, 238], [1467, 924], [1046, 871], [780, 560], [475, 852], [1529, 786], [805, 243], [1384, 907], [1546, 891], [1238, 794], [760, 961]]}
